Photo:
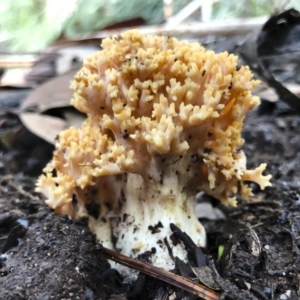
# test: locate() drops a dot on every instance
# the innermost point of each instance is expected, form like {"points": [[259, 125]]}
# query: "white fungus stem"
{"points": [[145, 208], [149, 214]]}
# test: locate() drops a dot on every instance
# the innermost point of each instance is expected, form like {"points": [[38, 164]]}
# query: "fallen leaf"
{"points": [[45, 127], [206, 276], [54, 93]]}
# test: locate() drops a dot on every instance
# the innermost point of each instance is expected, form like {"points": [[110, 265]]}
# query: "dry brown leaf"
{"points": [[206, 276], [54, 93], [45, 127]]}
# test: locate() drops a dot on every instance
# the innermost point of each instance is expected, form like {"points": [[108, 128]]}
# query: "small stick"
{"points": [[176, 280], [22, 192], [19, 189]]}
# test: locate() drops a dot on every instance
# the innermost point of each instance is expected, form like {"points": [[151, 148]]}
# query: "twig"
{"points": [[176, 280], [19, 189], [257, 225], [22, 192]]}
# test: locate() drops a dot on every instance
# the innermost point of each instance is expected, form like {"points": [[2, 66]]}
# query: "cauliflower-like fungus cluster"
{"points": [[164, 121]]}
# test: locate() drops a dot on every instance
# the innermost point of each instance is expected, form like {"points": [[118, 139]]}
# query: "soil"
{"points": [[46, 256]]}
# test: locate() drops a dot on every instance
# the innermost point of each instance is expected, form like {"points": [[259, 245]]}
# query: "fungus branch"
{"points": [[164, 121]]}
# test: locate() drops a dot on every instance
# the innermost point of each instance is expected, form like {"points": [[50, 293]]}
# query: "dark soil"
{"points": [[262, 238], [57, 258]]}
